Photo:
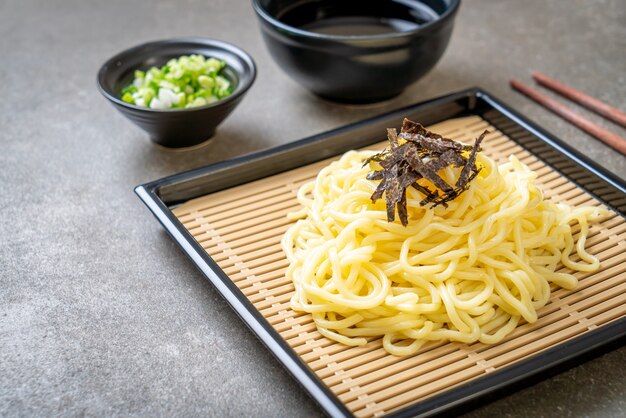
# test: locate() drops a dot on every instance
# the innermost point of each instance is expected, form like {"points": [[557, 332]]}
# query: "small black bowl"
{"points": [[176, 128], [356, 51]]}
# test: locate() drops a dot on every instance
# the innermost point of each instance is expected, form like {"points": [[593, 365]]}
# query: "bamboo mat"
{"points": [[241, 229]]}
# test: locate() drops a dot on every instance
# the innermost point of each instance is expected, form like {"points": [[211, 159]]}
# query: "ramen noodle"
{"points": [[468, 272]]}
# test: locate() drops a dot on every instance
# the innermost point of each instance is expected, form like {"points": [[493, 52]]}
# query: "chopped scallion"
{"points": [[184, 82]]}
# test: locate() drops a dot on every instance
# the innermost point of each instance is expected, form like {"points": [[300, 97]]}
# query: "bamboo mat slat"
{"points": [[241, 229]]}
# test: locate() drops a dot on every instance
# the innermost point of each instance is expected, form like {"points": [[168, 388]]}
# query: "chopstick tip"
{"points": [[537, 75]]}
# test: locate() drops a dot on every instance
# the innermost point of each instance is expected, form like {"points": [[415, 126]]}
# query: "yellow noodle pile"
{"points": [[469, 272]]}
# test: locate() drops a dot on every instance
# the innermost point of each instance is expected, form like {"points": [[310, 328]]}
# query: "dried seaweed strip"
{"points": [[408, 178], [392, 136], [378, 193], [415, 128], [454, 158], [437, 145], [431, 196], [393, 195], [418, 165], [375, 175], [402, 211], [395, 156], [378, 157], [446, 159], [405, 179], [470, 166], [391, 206]]}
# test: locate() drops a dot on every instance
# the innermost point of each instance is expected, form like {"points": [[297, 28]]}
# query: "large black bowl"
{"points": [[177, 128], [354, 68]]}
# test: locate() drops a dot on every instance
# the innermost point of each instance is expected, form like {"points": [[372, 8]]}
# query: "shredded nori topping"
{"points": [[422, 155]]}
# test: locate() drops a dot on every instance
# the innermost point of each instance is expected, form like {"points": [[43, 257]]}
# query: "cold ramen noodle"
{"points": [[472, 253]]}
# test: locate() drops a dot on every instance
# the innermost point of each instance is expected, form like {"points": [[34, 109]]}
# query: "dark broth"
{"points": [[358, 17]]}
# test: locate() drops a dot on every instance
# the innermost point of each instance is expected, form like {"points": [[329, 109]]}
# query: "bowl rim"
{"points": [[262, 13], [241, 89]]}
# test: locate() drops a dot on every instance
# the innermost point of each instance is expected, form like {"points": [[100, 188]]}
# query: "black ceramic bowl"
{"points": [[177, 128], [356, 50]]}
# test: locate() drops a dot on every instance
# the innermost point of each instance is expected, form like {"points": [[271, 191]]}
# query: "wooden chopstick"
{"points": [[582, 99], [611, 139]]}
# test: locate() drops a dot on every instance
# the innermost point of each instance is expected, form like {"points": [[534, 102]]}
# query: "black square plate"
{"points": [[162, 195]]}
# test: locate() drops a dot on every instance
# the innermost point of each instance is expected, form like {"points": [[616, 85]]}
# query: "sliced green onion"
{"points": [[184, 82]]}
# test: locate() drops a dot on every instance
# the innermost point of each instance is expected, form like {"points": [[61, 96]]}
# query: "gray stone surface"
{"points": [[101, 314]]}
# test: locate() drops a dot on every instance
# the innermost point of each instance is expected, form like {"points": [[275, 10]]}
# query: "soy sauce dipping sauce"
{"points": [[358, 17]]}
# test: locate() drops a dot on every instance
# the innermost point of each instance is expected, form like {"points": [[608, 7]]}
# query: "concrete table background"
{"points": [[101, 314]]}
